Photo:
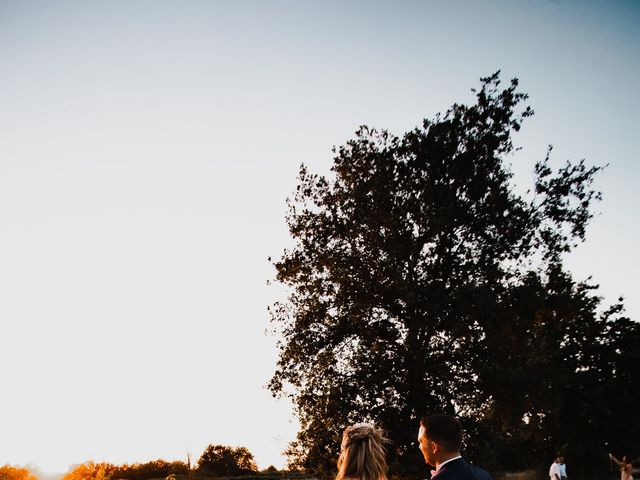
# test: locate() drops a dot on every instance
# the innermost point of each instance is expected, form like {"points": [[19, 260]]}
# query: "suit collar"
{"points": [[454, 459], [453, 464]]}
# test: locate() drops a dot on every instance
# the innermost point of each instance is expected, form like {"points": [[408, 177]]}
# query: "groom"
{"points": [[440, 439]]}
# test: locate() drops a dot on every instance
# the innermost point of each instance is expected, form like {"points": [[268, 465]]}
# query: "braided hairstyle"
{"points": [[362, 454]]}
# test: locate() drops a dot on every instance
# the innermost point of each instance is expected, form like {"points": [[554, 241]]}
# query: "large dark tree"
{"points": [[421, 282], [221, 460]]}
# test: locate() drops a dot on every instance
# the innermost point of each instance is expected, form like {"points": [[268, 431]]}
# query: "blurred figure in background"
{"points": [[554, 469], [563, 469], [625, 467]]}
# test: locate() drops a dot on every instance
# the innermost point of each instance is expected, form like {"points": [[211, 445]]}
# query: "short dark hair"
{"points": [[444, 430]]}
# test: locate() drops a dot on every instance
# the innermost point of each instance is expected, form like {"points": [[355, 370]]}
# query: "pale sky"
{"points": [[146, 151]]}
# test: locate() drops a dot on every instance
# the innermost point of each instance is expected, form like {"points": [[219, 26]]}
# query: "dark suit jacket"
{"points": [[461, 470]]}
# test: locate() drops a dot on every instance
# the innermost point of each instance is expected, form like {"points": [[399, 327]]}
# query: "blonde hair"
{"points": [[362, 455]]}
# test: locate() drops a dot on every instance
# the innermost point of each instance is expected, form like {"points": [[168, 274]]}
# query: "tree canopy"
{"points": [[8, 472], [217, 460], [90, 471], [153, 469], [422, 282]]}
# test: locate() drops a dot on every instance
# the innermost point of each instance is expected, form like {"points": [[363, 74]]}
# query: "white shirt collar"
{"points": [[450, 460]]}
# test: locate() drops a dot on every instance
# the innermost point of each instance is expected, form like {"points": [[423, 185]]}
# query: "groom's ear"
{"points": [[435, 446]]}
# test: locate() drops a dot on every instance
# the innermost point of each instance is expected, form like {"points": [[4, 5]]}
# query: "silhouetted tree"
{"points": [[421, 282], [218, 460], [153, 469]]}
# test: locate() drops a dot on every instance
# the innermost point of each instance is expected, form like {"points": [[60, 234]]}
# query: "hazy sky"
{"points": [[146, 151]]}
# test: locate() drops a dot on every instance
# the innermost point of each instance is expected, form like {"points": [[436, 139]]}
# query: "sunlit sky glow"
{"points": [[146, 152]]}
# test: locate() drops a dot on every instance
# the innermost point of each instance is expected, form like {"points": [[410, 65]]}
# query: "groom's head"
{"points": [[440, 438]]}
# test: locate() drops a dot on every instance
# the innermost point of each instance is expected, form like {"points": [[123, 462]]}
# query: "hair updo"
{"points": [[362, 454]]}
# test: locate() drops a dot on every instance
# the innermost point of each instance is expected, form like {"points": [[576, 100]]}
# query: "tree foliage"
{"points": [[8, 472], [422, 282], [90, 471], [217, 460], [153, 469]]}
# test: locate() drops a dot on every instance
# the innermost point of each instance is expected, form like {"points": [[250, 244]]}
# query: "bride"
{"points": [[362, 455]]}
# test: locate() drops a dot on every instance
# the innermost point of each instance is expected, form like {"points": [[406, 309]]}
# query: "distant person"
{"points": [[440, 440], [625, 467], [554, 469], [563, 469], [362, 454]]}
